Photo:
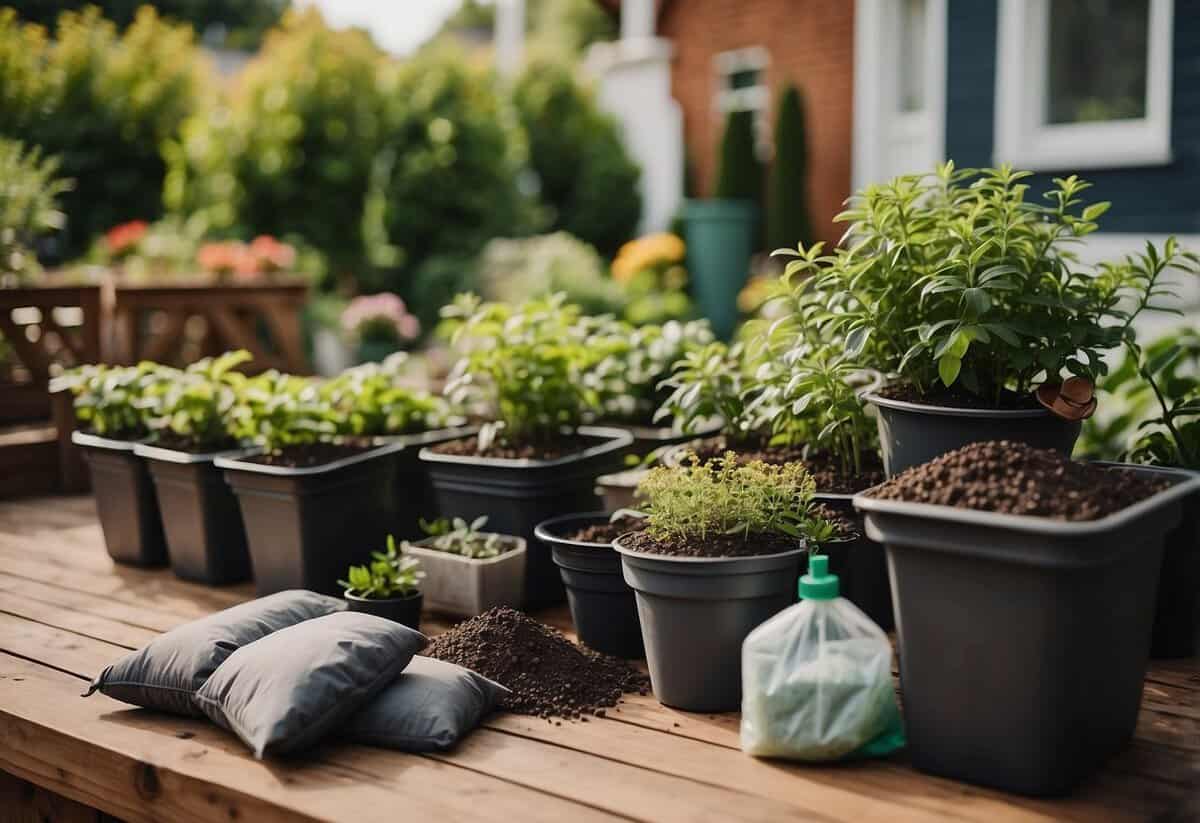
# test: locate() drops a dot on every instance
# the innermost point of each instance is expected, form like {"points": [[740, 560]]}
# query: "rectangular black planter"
{"points": [[516, 495], [1023, 640], [415, 498], [306, 526], [201, 519], [125, 501]]}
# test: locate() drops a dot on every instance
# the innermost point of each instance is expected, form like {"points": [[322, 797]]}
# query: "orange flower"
{"points": [[123, 238], [271, 255]]}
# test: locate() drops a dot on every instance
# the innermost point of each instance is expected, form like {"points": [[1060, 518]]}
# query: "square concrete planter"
{"points": [[126, 502], [466, 587], [1023, 640]]}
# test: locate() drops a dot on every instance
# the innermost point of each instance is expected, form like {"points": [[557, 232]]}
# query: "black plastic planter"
{"points": [[306, 526], [647, 439], [415, 498], [914, 433], [516, 495], [695, 613], [125, 501], [405, 610], [1177, 608], [603, 607], [201, 520], [1023, 640], [861, 565]]}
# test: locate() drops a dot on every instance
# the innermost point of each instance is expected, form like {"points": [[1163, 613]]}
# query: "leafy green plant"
{"points": [[526, 363], [371, 401], [459, 537], [513, 269], [275, 410], [709, 382], [693, 501], [195, 405], [391, 573], [29, 193], [113, 401], [953, 279]]}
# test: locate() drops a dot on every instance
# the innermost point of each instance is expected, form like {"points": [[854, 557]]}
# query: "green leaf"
{"points": [[948, 369]]}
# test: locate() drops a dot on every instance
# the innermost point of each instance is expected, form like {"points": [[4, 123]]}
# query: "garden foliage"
{"points": [[194, 405], [112, 401], [390, 573], [457, 536], [788, 218], [29, 192], [740, 173]]}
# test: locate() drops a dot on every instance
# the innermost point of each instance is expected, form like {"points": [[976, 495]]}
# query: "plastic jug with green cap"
{"points": [[817, 679]]}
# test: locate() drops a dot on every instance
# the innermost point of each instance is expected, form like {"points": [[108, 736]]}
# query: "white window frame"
{"points": [[756, 98], [1025, 140]]}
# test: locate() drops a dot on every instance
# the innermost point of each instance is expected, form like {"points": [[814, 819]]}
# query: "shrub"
{"points": [[588, 181], [390, 574], [694, 501], [788, 220], [104, 103], [29, 193], [739, 171], [709, 383], [512, 269]]}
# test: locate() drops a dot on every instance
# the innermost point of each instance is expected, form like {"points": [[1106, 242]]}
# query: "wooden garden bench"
{"points": [[66, 611]]}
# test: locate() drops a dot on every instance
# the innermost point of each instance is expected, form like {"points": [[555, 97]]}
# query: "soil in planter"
{"points": [[1013, 478], [561, 447], [310, 454], [548, 674], [714, 545], [822, 467], [181, 443], [958, 398], [605, 533], [844, 528]]}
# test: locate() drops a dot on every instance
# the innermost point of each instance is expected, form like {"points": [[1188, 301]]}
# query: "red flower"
{"points": [[271, 255], [121, 239]]}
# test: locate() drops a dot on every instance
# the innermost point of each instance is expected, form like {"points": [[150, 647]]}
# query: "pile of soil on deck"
{"points": [[548, 674], [311, 454], [1013, 478], [822, 467], [606, 533], [958, 398], [561, 447]]}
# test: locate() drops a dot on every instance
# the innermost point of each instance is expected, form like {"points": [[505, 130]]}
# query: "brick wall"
{"points": [[811, 43]]}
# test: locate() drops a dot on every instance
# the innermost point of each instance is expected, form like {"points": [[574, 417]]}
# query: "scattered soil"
{"points": [[549, 675], [562, 447], [959, 398], [1013, 478], [312, 454], [715, 545], [821, 466], [605, 533], [179, 443]]}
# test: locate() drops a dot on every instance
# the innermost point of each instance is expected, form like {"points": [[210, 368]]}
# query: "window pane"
{"points": [[1097, 60], [911, 64], [743, 79]]}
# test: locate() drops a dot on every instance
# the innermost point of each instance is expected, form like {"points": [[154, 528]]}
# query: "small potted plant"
{"points": [[110, 408], [525, 366], [603, 606], [389, 586], [721, 553], [1024, 589], [379, 325], [189, 419], [469, 571], [309, 496], [968, 294]]}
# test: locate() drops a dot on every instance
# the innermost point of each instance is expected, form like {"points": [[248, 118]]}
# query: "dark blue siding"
{"points": [[1157, 199]]}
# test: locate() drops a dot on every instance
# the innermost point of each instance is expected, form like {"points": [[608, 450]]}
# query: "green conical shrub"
{"points": [[788, 220], [740, 174]]}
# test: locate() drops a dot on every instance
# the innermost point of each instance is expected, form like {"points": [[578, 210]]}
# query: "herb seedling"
{"points": [[390, 574], [276, 410], [195, 405], [459, 537], [370, 401], [112, 401]]}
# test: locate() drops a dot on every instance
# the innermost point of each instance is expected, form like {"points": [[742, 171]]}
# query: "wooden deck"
{"points": [[66, 611]]}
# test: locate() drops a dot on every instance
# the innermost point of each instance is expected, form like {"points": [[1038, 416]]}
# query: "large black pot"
{"points": [[914, 433], [1023, 640], [516, 495], [306, 526], [415, 498], [201, 520], [125, 501], [696, 611], [603, 606], [403, 610], [861, 564]]}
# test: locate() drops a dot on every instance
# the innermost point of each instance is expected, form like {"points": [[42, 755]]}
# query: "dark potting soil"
{"points": [[605, 533], [714, 545], [821, 466], [311, 454], [548, 674], [843, 527], [562, 447], [180, 443], [1013, 478], [958, 398]]}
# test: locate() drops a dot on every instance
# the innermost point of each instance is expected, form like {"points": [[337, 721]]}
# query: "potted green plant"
{"points": [[469, 571], [1156, 429], [310, 498], [190, 423], [109, 405], [389, 586], [1024, 589], [602, 605], [968, 295], [720, 553], [524, 367]]}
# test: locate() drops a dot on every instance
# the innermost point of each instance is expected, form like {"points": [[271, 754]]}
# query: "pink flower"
{"points": [[380, 316]]}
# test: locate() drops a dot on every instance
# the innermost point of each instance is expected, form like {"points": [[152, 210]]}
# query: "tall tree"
{"points": [[788, 218], [739, 171]]}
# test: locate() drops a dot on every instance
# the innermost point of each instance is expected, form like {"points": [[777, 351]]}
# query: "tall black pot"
{"points": [[861, 564], [126, 502], [516, 495]]}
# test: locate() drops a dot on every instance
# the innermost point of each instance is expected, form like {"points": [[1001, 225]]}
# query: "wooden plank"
{"points": [[140, 766], [113, 609], [88, 625]]}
